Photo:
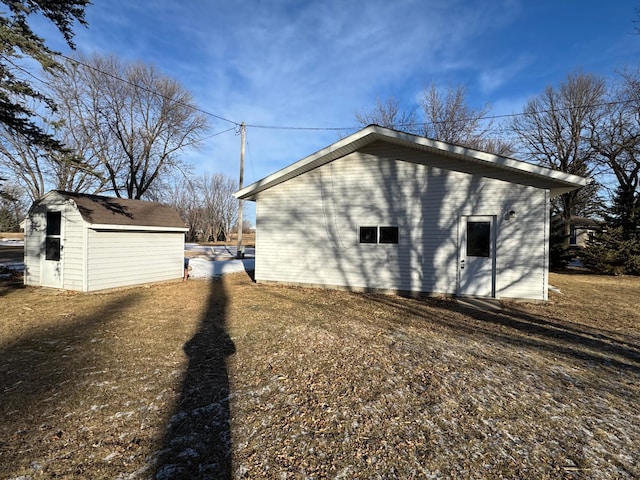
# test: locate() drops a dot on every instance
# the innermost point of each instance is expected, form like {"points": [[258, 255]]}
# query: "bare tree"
{"points": [[387, 114], [445, 117], [129, 119], [24, 162], [184, 195], [554, 131], [449, 118], [615, 136], [220, 206], [206, 204], [38, 169]]}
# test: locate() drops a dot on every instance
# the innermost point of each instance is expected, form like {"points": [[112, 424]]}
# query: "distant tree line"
{"points": [[206, 204]]}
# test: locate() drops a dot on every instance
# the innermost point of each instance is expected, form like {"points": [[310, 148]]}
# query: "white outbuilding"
{"points": [[85, 242], [383, 210]]}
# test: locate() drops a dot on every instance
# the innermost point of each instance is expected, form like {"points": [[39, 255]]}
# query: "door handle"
{"points": [[461, 264]]}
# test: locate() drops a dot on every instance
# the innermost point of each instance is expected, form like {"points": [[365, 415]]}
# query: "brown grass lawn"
{"points": [[229, 379]]}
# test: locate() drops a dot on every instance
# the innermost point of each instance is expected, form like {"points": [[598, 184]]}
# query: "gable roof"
{"points": [[125, 213], [457, 158]]}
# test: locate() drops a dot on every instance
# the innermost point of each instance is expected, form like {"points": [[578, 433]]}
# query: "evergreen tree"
{"points": [[559, 254], [613, 253], [17, 42]]}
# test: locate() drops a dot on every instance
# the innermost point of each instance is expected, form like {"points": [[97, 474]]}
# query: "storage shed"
{"points": [[388, 211], [88, 242]]}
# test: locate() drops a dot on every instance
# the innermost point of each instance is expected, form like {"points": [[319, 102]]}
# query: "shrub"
{"points": [[613, 253]]}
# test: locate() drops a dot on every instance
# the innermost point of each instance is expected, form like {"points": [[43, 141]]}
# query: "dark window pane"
{"points": [[52, 246], [573, 239], [388, 234], [368, 234], [478, 239], [53, 223]]}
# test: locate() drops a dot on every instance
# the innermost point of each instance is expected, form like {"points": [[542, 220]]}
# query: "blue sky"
{"points": [[316, 63]]}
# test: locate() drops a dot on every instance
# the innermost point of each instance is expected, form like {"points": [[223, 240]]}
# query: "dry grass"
{"points": [[228, 379]]}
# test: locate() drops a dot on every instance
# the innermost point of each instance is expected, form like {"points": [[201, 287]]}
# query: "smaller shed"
{"points": [[86, 242]]}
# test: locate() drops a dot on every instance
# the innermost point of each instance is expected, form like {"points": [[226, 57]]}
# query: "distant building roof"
{"points": [[577, 221], [99, 210]]}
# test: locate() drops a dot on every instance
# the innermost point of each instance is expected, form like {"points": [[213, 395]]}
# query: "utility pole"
{"points": [[240, 250]]}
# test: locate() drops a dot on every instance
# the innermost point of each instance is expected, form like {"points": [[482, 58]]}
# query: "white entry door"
{"points": [[51, 264], [477, 256]]}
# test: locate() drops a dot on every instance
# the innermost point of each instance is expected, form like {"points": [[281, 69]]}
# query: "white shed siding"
{"points": [[117, 258], [308, 226], [73, 248]]}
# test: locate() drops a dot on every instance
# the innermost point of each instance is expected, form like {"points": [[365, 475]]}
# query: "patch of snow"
{"points": [[211, 262], [576, 262], [110, 457], [205, 268], [123, 415], [554, 289], [11, 242]]}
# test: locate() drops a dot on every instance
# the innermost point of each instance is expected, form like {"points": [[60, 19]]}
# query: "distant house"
{"points": [[388, 211], [89, 242], [582, 230]]}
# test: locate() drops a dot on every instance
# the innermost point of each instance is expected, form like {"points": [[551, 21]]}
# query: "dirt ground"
{"points": [[231, 379]]}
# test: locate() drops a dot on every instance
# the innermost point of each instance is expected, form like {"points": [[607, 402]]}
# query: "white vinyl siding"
{"points": [[72, 253], [121, 258], [308, 226]]}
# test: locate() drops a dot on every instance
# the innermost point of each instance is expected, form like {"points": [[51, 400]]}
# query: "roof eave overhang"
{"points": [[557, 182]]}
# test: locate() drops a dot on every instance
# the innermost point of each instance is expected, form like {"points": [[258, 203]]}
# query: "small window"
{"points": [[388, 234], [478, 239], [54, 219], [368, 234], [52, 247]]}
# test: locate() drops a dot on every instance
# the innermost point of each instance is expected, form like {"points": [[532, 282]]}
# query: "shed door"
{"points": [[477, 256], [51, 275]]}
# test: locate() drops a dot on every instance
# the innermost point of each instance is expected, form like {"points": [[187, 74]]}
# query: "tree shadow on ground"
{"points": [[39, 378], [519, 328], [197, 443]]}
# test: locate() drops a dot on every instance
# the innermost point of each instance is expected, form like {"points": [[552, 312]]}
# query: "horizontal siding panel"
{"points": [[118, 259], [73, 253]]}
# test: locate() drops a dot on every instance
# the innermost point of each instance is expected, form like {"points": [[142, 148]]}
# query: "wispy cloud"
{"points": [[315, 63]]}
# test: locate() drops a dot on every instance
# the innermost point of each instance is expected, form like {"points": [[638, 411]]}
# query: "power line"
{"points": [[148, 90], [282, 127], [208, 137], [311, 128]]}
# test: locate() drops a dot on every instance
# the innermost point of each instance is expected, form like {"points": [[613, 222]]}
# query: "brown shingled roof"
{"points": [[99, 210]]}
